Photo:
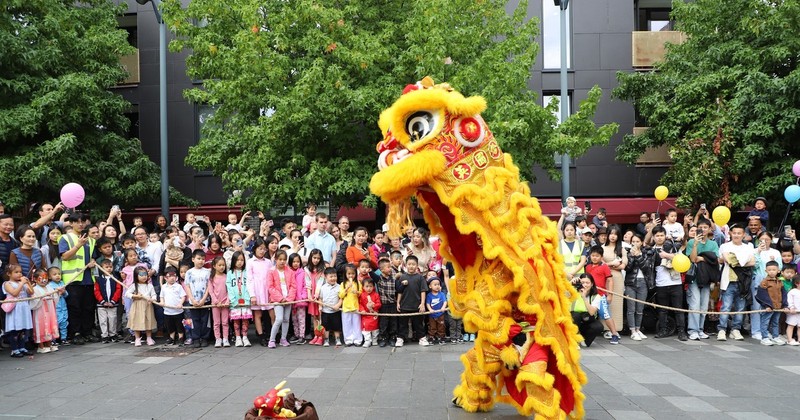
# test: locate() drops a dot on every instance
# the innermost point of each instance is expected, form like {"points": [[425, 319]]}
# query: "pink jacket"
{"points": [[274, 284], [300, 288]]}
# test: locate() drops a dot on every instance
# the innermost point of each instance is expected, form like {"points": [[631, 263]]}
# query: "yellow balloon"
{"points": [[721, 215], [681, 263], [661, 193]]}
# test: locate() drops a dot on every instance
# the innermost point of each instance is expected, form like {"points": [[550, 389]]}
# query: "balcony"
{"points": [[649, 47], [652, 156], [131, 64]]}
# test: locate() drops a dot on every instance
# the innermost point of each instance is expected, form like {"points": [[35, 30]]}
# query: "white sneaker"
{"points": [[246, 341], [635, 336], [326, 343], [694, 336], [424, 342], [794, 343], [226, 343], [721, 336], [607, 335], [238, 342], [366, 344], [778, 341], [703, 335], [218, 343], [641, 335], [399, 342], [766, 342], [756, 336], [736, 335]]}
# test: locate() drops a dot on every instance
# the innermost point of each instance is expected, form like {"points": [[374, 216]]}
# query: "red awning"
{"points": [[618, 210]]}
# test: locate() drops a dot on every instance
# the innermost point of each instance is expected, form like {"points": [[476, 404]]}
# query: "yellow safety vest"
{"points": [[72, 270], [572, 257]]}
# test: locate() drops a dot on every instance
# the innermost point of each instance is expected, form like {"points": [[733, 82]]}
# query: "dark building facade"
{"points": [[604, 37]]}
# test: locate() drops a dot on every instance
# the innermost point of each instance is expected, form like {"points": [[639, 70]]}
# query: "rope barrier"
{"points": [[690, 311], [34, 297], [228, 305]]}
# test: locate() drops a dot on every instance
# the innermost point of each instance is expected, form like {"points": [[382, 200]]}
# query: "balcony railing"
{"points": [[653, 156], [131, 64], [649, 47]]}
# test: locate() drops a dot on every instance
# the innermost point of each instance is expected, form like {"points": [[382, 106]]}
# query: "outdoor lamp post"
{"points": [[563, 4], [162, 103]]}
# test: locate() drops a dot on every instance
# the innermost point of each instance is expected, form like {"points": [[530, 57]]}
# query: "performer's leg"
{"points": [[476, 391]]}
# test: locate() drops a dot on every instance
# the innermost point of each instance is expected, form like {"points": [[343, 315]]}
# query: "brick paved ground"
{"points": [[636, 380]]}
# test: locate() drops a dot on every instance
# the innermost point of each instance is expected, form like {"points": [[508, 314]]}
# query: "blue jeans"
{"points": [[731, 300], [755, 319], [199, 323], [769, 324], [697, 299]]}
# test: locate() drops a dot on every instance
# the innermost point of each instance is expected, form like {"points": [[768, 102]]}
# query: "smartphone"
{"points": [[588, 205], [703, 206], [218, 225], [270, 223], [115, 208], [787, 230], [174, 218]]}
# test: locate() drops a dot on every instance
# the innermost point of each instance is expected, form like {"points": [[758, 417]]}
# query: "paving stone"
{"points": [[629, 415], [691, 404]]}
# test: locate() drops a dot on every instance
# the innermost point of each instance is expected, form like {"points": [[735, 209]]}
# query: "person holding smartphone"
{"points": [[76, 249]]}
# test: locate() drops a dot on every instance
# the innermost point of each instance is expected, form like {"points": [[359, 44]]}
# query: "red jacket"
{"points": [[274, 285], [369, 322], [100, 291]]}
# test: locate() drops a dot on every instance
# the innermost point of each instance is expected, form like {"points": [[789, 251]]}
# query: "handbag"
{"points": [[8, 305]]}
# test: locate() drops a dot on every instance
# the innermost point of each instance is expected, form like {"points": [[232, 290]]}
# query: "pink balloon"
{"points": [[72, 195], [796, 168]]}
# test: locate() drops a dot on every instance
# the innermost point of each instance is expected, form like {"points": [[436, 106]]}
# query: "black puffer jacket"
{"points": [[645, 262]]}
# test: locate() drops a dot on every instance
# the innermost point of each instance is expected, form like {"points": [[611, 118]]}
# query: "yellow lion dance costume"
{"points": [[509, 283]]}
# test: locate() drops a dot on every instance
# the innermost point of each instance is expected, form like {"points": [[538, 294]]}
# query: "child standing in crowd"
{"points": [[602, 278], [196, 284], [239, 298], [18, 320], [369, 301], [388, 293], [435, 301], [397, 263], [308, 218], [351, 320], [45, 320], [54, 274], [411, 289], [788, 272], [314, 274], [793, 317], [141, 316], [772, 297], [258, 269], [328, 297], [220, 313], [281, 289], [107, 293], [303, 291], [173, 297]]}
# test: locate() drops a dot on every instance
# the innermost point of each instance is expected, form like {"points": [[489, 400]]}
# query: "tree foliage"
{"points": [[59, 122], [726, 101], [299, 86]]}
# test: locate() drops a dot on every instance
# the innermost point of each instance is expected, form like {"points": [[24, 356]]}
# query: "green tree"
{"points": [[726, 102], [299, 86], [59, 122]]}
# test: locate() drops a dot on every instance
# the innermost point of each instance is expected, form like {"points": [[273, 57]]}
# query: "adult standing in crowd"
{"points": [[322, 240], [76, 249]]}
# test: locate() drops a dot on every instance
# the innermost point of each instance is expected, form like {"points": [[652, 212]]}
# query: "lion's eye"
{"points": [[420, 124]]}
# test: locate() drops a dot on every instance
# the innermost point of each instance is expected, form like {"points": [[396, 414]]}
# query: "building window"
{"points": [[546, 98], [551, 36]]}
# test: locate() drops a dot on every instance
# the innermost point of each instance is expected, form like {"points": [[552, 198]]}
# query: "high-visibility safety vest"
{"points": [[572, 257], [72, 270]]}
